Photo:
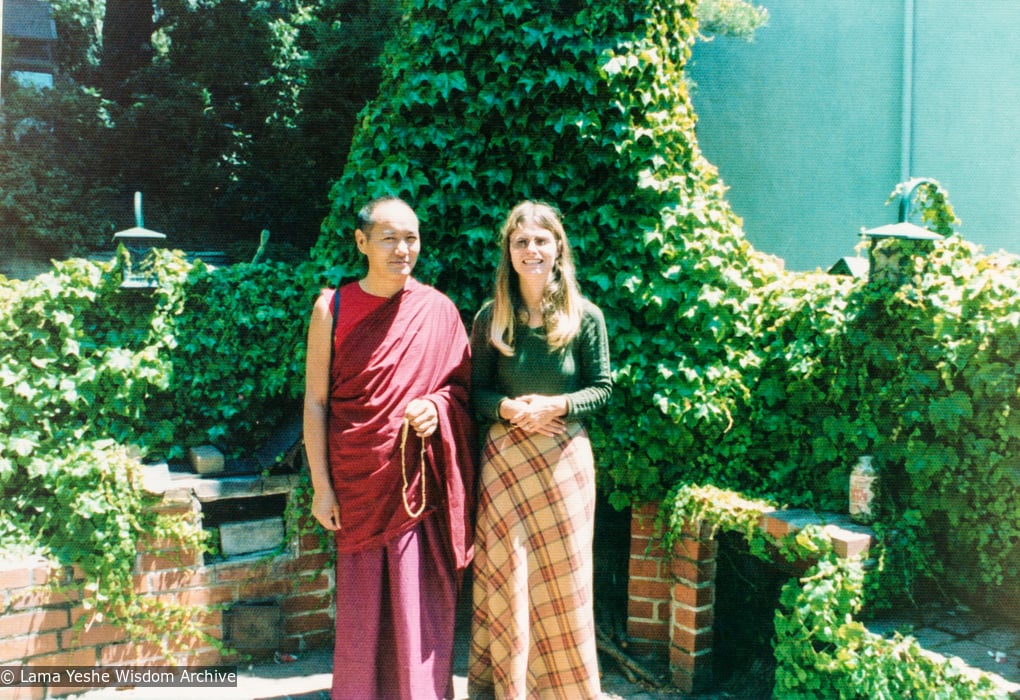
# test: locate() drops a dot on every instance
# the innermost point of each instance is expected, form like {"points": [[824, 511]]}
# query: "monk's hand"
{"points": [[540, 414], [422, 416], [326, 509]]}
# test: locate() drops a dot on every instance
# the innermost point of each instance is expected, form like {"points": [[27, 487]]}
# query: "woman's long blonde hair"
{"points": [[561, 301]]}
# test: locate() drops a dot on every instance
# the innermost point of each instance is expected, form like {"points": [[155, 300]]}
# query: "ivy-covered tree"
{"points": [[583, 105]]}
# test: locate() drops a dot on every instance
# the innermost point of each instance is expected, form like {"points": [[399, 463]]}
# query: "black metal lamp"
{"points": [[891, 246], [138, 241]]}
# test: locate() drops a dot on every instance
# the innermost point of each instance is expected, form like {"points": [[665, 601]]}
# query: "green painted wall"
{"points": [[811, 128]]}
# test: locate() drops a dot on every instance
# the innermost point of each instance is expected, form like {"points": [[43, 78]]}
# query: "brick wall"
{"points": [[671, 600], [41, 604]]}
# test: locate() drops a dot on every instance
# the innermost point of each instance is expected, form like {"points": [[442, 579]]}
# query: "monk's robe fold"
{"points": [[410, 346]]}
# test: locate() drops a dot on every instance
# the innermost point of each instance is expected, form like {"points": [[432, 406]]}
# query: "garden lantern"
{"points": [[891, 247], [138, 241]]}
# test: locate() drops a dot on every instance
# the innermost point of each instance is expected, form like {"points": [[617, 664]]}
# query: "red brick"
{"points": [[159, 544], [645, 510], [661, 613], [185, 509], [782, 522], [650, 631], [203, 657], [645, 568], [698, 530], [41, 597], [694, 618], [230, 571], [17, 624], [140, 583], [691, 663], [131, 653], [641, 609], [644, 528], [208, 595], [644, 547], [648, 588], [312, 622], [694, 597], [691, 640], [313, 563], [695, 572], [208, 616], [263, 589], [22, 693], [315, 583], [648, 610], [313, 543], [696, 550], [97, 634], [78, 657], [307, 603], [214, 631], [847, 543], [78, 612], [19, 648], [17, 573], [176, 580], [682, 680], [163, 561], [50, 574], [640, 542]]}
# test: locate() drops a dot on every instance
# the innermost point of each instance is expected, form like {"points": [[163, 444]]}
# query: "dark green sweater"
{"points": [[581, 370]]}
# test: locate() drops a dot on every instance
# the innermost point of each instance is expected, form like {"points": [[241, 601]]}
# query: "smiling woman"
{"points": [[540, 365], [533, 252]]}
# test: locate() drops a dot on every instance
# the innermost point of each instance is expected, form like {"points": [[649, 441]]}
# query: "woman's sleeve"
{"points": [[596, 379], [485, 394]]}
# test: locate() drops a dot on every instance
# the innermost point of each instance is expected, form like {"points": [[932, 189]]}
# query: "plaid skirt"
{"points": [[533, 627]]}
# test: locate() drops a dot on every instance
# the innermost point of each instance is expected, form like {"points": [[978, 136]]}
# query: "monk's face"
{"points": [[392, 242]]}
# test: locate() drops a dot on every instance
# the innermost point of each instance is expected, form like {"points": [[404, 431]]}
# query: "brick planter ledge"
{"points": [[287, 598], [671, 600]]}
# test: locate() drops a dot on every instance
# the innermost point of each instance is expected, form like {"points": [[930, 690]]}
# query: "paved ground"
{"points": [[988, 645], [977, 643]]}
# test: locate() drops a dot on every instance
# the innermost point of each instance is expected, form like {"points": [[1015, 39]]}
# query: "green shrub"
{"points": [[239, 355], [208, 355]]}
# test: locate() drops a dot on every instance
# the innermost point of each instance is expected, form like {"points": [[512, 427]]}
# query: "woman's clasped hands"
{"points": [[535, 413]]}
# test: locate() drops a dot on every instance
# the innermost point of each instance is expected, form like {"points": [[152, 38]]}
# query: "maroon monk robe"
{"points": [[410, 346]]}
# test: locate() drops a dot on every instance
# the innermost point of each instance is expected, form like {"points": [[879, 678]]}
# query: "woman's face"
{"points": [[533, 252]]}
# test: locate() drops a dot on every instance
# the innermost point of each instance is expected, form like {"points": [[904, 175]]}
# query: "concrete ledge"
{"points": [[849, 539], [214, 489]]}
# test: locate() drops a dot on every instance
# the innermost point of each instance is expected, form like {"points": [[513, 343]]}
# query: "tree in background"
{"points": [[127, 44], [236, 121]]}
